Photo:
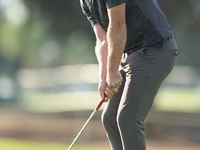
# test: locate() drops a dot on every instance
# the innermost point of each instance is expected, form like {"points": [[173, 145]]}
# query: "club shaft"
{"points": [[87, 122], [85, 125]]}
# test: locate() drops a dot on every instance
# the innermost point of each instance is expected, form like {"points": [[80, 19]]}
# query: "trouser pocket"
{"points": [[151, 54]]}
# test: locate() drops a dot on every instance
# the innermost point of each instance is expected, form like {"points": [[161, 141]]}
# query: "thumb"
{"points": [[105, 97]]}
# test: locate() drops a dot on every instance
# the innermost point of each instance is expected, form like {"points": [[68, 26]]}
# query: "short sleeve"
{"points": [[113, 3], [85, 8]]}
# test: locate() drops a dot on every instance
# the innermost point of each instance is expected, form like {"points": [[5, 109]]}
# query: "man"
{"points": [[135, 36]]}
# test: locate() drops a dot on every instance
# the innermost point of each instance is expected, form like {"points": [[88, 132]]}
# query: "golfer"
{"points": [[136, 51]]}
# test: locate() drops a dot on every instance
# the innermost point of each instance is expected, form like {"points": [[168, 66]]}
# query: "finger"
{"points": [[109, 96], [110, 91], [105, 99], [118, 84], [116, 90], [117, 87], [110, 85]]}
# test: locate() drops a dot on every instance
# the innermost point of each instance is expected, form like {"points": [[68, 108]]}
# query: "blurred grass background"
{"points": [[49, 78], [16, 144]]}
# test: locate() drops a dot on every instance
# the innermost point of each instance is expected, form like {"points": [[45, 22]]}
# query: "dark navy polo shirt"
{"points": [[146, 23]]}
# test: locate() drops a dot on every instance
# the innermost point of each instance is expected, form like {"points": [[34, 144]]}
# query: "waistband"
{"points": [[171, 36]]}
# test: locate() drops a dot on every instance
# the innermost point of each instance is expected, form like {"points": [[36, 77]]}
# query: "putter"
{"points": [[87, 122]]}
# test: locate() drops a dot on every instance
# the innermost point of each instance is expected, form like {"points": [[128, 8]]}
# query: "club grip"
{"points": [[101, 102]]}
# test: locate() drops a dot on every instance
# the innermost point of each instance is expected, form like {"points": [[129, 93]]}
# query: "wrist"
{"points": [[112, 66], [102, 73], [112, 71], [102, 80]]}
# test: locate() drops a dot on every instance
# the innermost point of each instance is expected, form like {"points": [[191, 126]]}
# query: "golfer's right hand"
{"points": [[114, 80]]}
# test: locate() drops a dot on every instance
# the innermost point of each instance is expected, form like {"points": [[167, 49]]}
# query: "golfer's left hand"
{"points": [[114, 80], [101, 88]]}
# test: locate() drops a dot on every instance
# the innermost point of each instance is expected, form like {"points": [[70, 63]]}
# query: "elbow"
{"points": [[118, 25], [101, 45], [101, 42]]}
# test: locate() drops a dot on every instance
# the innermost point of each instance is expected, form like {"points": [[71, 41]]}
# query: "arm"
{"points": [[116, 37], [109, 49], [101, 51]]}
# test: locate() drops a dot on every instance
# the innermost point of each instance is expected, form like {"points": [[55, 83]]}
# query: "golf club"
{"points": [[87, 122]]}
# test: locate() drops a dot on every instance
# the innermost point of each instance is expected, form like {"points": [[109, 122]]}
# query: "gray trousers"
{"points": [[124, 114]]}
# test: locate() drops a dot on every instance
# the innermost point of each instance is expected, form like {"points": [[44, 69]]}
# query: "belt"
{"points": [[129, 52], [171, 36]]}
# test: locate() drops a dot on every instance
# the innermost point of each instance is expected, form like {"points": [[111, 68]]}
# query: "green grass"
{"points": [[11, 144], [8, 144]]}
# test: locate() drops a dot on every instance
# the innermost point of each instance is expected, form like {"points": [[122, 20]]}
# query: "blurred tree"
{"points": [[184, 16], [63, 23], [43, 33], [63, 17]]}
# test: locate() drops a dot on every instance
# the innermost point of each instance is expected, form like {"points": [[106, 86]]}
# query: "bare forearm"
{"points": [[101, 50], [116, 44]]}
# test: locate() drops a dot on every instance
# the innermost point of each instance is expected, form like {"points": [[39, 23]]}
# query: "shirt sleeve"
{"points": [[113, 3], [87, 12]]}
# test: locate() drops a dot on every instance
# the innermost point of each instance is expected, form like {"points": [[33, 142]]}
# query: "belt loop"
{"points": [[129, 52], [171, 36]]}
